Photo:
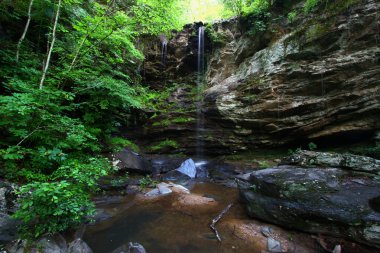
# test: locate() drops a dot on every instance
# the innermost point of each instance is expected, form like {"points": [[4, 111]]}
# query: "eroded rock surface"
{"points": [[329, 201], [298, 81]]}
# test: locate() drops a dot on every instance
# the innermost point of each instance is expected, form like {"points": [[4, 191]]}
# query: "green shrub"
{"points": [[52, 207], [62, 199], [312, 146], [147, 181], [310, 5], [292, 16]]}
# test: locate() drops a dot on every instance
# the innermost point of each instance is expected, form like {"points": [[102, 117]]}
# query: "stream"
{"points": [[171, 224]]}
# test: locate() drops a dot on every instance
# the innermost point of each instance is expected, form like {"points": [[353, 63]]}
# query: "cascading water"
{"points": [[164, 51], [200, 86]]}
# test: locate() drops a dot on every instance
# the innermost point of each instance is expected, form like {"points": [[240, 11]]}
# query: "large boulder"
{"points": [[329, 201], [8, 228], [129, 160]]}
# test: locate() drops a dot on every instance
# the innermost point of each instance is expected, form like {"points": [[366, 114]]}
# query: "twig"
{"points": [[216, 219], [26, 137]]}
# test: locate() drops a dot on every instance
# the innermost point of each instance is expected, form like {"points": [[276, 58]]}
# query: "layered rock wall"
{"points": [[317, 77]]}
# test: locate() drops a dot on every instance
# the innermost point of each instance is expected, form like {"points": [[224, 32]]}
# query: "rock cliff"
{"points": [[314, 78]]}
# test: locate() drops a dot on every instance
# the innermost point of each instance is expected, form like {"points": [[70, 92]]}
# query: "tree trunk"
{"points": [[51, 46], [25, 30]]}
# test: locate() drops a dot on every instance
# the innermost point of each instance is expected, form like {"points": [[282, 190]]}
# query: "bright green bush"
{"points": [[52, 207], [61, 200]]}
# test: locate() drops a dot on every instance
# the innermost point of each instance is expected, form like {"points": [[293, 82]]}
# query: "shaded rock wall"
{"points": [[318, 77]]}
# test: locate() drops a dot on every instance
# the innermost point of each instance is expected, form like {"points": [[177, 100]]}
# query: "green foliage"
{"points": [[156, 17], [312, 146], [368, 150], [217, 38], [147, 181], [170, 122], [52, 137], [166, 144], [120, 181], [310, 5], [119, 143], [54, 203], [247, 7], [50, 207], [292, 16], [236, 7], [83, 173]]}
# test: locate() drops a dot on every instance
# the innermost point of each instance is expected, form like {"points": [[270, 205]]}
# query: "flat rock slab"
{"points": [[306, 158], [330, 201]]}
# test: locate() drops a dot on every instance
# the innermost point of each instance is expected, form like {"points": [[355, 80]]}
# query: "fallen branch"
{"points": [[216, 219]]}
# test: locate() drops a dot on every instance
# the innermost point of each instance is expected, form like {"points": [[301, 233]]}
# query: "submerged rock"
{"points": [[132, 247], [164, 189], [317, 200], [79, 246]]}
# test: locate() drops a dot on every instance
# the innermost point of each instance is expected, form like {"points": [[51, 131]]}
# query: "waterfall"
{"points": [[200, 84], [164, 52]]}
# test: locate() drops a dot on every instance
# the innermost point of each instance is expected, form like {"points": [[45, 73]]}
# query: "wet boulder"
{"points": [[329, 201]]}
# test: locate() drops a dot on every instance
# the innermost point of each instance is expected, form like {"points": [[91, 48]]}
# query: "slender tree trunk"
{"points": [[25, 30], [51, 46]]}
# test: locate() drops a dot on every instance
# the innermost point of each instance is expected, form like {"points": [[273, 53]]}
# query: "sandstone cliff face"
{"points": [[318, 77]]}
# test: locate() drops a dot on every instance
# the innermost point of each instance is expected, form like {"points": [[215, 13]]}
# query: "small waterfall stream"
{"points": [[200, 87], [164, 52]]}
